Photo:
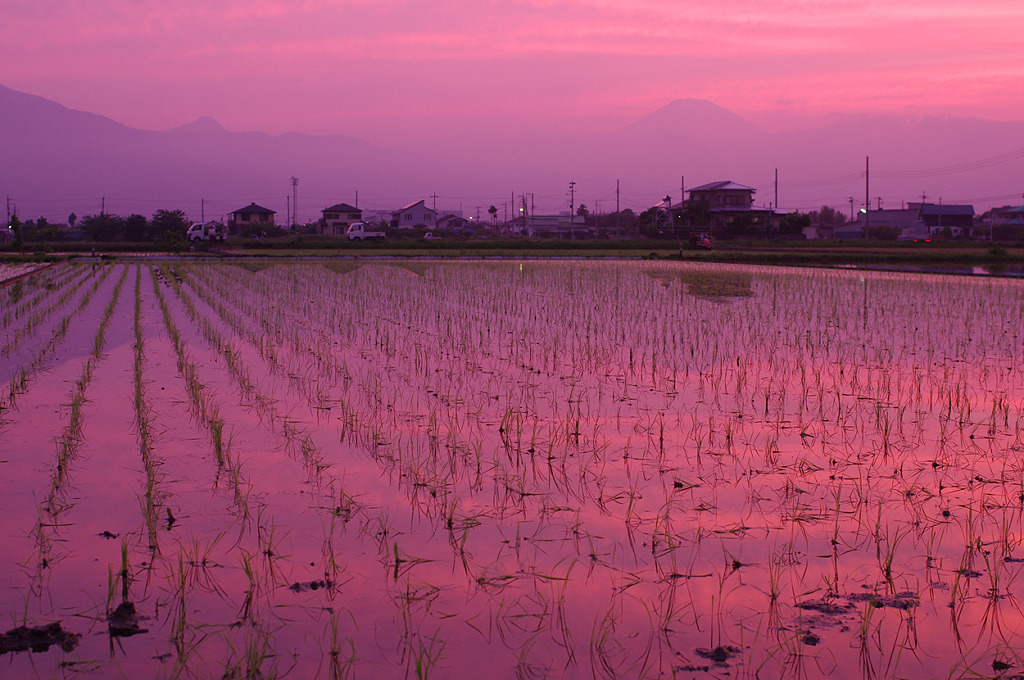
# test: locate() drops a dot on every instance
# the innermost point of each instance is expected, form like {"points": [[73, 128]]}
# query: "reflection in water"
{"points": [[721, 283], [550, 470]]}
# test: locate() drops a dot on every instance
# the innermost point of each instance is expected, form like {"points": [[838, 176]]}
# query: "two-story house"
{"points": [[251, 215], [728, 205], [726, 196], [414, 215], [337, 218]]}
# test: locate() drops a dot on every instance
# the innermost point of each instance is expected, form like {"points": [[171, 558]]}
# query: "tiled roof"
{"points": [[413, 205], [252, 208], [932, 209], [727, 185], [341, 207]]}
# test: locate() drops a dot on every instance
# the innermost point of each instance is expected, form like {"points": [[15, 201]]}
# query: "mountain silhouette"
{"points": [[58, 160]]}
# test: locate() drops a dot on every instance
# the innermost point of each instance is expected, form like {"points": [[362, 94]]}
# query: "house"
{"points": [[413, 216], [723, 197], [1007, 223], [905, 223], [957, 219], [251, 215], [727, 206], [561, 226], [337, 218], [453, 223]]}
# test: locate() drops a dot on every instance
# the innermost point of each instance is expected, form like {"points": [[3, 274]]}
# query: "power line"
{"points": [[953, 169]]}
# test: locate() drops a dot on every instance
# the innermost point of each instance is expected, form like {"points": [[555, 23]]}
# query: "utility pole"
{"points": [[850, 199], [617, 208], [295, 200], [572, 210], [103, 206], [202, 210], [867, 196], [776, 188], [357, 198], [434, 196]]}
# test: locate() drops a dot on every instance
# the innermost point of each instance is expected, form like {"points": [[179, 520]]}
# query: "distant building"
{"points": [[723, 197], [727, 206], [1007, 223], [560, 226], [453, 223], [337, 218], [905, 222], [251, 215], [415, 215], [377, 217], [958, 219]]}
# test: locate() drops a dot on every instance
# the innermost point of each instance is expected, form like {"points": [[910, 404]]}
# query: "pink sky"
{"points": [[381, 69]]}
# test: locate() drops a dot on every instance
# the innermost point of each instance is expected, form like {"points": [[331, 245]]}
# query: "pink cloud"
{"points": [[157, 64]]}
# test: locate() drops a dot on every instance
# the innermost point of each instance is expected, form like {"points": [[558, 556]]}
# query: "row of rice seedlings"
{"points": [[152, 498], [324, 360], [264, 337], [55, 293], [416, 475], [270, 538], [773, 459], [71, 437], [203, 405], [298, 440], [343, 505], [22, 376], [23, 297]]}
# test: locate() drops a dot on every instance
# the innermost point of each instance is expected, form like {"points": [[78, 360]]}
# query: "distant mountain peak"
{"points": [[692, 117], [201, 125]]}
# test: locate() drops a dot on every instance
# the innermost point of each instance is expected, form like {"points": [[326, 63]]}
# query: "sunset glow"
{"points": [[371, 68]]}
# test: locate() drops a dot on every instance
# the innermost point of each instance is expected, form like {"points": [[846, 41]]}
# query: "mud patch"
{"points": [[124, 621], [38, 639], [719, 655]]}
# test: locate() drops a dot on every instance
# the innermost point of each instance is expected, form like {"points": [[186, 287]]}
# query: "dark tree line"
{"points": [[135, 228]]}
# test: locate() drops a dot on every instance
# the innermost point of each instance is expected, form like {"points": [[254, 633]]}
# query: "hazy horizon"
{"points": [[479, 101], [62, 160]]}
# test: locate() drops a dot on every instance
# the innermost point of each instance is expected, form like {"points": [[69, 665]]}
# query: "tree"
{"points": [[696, 214], [794, 223], [171, 241], [648, 222], [72, 218], [740, 225], [827, 216], [103, 227], [494, 214], [621, 222], [135, 228], [166, 221], [19, 231]]}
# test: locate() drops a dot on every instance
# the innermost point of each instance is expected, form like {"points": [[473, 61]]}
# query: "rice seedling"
{"points": [[738, 437]]}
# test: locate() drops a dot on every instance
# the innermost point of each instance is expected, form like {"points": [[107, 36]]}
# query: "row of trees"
{"points": [[103, 227]]}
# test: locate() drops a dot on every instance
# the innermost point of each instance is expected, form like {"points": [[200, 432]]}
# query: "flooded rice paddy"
{"points": [[537, 470]]}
